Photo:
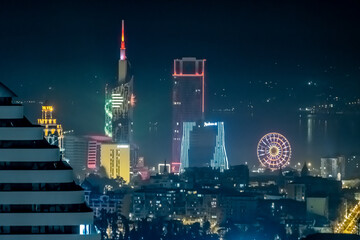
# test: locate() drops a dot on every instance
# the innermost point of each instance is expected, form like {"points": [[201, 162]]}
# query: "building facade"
{"points": [[352, 168], [109, 202], [333, 167], [296, 191], [203, 145], [38, 197], [188, 100], [156, 203], [239, 208], [76, 153], [115, 158], [94, 150], [237, 177], [83, 152], [93, 158], [194, 205], [318, 206], [53, 131]]}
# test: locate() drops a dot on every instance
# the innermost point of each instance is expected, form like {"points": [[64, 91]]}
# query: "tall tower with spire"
{"points": [[119, 100], [122, 49], [123, 63]]}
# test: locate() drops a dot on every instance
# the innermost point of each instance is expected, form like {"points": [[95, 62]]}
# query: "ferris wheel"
{"points": [[274, 151]]}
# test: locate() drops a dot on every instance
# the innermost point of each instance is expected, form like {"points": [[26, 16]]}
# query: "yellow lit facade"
{"points": [[115, 158], [53, 131]]}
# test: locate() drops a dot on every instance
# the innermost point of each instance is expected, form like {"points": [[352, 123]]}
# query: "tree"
{"points": [[102, 223], [206, 227]]}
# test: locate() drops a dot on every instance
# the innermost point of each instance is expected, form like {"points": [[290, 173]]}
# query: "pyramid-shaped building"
{"points": [[39, 199]]}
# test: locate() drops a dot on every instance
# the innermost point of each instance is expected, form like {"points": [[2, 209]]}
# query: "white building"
{"points": [[76, 153], [38, 197], [333, 168], [203, 145]]}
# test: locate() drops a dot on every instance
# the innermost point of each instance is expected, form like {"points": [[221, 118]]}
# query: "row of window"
{"points": [[25, 144], [43, 208], [5, 101], [21, 122], [58, 165], [71, 186], [80, 229]]}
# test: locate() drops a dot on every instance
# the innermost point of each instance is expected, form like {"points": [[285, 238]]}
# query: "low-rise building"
{"points": [[296, 191], [239, 207], [318, 205]]}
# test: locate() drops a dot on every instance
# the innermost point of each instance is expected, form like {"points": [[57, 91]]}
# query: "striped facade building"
{"points": [[38, 198]]}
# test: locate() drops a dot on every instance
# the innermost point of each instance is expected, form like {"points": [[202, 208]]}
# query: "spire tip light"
{"points": [[122, 49]]}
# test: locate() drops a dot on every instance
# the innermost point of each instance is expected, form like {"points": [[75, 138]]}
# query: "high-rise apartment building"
{"points": [[38, 197], [333, 167], [188, 100], [115, 158], [76, 150], [203, 145]]}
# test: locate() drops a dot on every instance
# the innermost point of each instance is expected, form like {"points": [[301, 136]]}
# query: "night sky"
{"points": [[66, 51]]}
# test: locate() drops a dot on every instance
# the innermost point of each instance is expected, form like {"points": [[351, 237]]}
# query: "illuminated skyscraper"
{"points": [[203, 145], [38, 196], [187, 99], [53, 131], [119, 101], [115, 158]]}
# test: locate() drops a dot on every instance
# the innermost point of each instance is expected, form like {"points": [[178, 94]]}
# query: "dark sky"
{"points": [[65, 52]]}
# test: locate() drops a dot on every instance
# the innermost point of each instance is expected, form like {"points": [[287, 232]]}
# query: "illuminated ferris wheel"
{"points": [[274, 151]]}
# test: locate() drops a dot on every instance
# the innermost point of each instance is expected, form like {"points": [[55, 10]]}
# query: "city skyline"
{"points": [[263, 67], [179, 120]]}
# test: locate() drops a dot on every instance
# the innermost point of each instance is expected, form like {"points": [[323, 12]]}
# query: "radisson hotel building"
{"points": [[38, 197]]}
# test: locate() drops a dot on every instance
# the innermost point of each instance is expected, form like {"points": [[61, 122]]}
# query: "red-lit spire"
{"points": [[122, 49]]}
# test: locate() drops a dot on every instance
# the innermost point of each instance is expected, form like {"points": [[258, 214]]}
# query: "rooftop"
{"points": [[5, 92]]}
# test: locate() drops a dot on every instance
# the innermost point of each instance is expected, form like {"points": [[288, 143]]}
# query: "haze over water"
{"points": [[311, 136]]}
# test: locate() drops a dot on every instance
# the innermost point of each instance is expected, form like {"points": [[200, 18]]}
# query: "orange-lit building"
{"points": [[53, 131]]}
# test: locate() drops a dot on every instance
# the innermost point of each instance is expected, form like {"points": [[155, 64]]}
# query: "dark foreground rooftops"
{"points": [[332, 236]]}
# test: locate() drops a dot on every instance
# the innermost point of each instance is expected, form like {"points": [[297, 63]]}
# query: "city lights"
{"points": [[274, 151], [170, 129]]}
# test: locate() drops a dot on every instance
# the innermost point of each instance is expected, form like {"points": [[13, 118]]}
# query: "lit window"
{"points": [[84, 229]]}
